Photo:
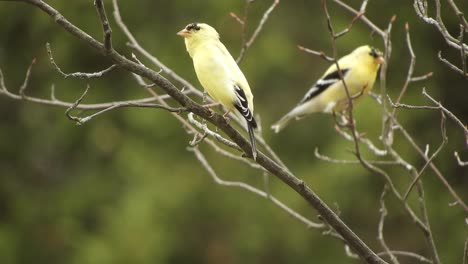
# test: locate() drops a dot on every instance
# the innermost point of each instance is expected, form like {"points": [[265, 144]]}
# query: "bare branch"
{"points": [[357, 17], [449, 113], [105, 24], [257, 31], [410, 69], [26, 79], [321, 54], [462, 51], [421, 9], [422, 77], [362, 17], [247, 187], [406, 254], [429, 161], [82, 120], [58, 103], [207, 131], [67, 112], [136, 46], [370, 146], [351, 162], [80, 75], [414, 107], [237, 18], [459, 161], [383, 214], [449, 64], [433, 167]]}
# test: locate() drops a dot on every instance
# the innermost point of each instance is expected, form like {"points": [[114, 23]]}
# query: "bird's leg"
{"points": [[211, 105], [340, 120], [355, 96], [226, 115]]}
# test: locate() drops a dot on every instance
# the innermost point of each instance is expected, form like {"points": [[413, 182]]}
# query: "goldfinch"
{"points": [[328, 95], [219, 73]]}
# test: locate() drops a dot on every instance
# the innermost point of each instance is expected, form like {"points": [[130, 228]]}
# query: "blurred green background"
{"points": [[124, 189]]}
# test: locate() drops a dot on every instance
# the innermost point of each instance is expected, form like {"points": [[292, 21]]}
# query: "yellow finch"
{"points": [[328, 95], [219, 73]]}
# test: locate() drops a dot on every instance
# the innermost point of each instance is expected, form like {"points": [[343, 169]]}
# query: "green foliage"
{"points": [[124, 189]]}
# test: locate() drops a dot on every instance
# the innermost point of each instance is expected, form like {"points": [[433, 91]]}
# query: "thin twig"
{"points": [[58, 103], [421, 10], [362, 18], [380, 237], [77, 102], [105, 24], [211, 133], [422, 77], [462, 51], [201, 158], [429, 161], [23, 87], [134, 44], [449, 64], [80, 75], [352, 162], [459, 161], [439, 175], [410, 69], [407, 254], [369, 144], [321, 54], [448, 113], [257, 31]]}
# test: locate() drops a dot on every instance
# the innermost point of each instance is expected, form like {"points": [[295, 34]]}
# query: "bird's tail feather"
{"points": [[244, 111], [282, 123], [252, 141]]}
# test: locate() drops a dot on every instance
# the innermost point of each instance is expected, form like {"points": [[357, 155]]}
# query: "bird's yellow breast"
{"points": [[359, 81], [214, 76]]}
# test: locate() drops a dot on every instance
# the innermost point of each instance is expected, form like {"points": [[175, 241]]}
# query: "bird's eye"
{"points": [[193, 26], [374, 53]]}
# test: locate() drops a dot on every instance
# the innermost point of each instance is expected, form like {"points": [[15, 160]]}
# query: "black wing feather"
{"points": [[321, 85], [243, 107]]}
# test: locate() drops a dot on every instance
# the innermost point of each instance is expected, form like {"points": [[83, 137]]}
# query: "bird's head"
{"points": [[370, 54], [198, 31], [377, 55]]}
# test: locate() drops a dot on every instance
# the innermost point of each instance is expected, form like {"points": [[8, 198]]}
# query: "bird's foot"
{"points": [[226, 117], [208, 106]]}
